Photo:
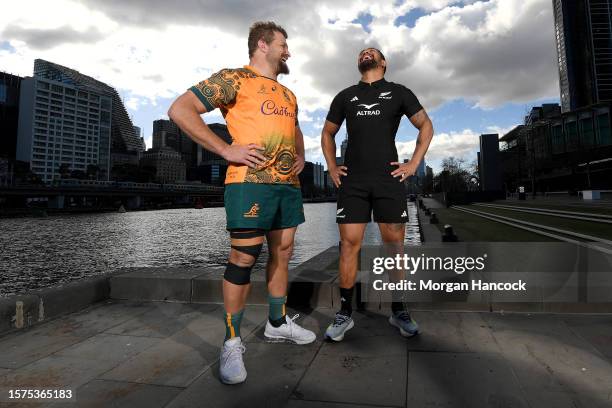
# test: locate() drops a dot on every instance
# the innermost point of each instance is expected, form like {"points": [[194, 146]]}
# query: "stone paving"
{"points": [[157, 354]]}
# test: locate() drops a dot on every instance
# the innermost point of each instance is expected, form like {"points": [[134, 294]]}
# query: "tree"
{"points": [[455, 175]]}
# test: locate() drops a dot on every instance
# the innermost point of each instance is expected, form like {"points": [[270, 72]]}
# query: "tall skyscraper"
{"points": [[9, 114], [167, 133], [420, 172], [343, 147], [583, 31], [489, 163]]}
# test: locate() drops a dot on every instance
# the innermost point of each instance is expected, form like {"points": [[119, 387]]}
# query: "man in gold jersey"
{"points": [[262, 191]]}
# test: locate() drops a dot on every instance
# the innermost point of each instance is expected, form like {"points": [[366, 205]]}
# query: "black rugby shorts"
{"points": [[359, 198]]}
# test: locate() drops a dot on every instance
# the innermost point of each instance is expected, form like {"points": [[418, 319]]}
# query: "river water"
{"points": [[41, 252]]}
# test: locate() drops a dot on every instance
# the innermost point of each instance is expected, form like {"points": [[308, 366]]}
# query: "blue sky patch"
{"points": [[364, 19], [5, 45], [409, 19]]}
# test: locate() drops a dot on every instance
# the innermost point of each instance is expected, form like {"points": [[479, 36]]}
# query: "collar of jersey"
{"points": [[375, 84], [256, 72]]}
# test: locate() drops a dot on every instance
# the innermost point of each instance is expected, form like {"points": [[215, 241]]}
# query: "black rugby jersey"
{"points": [[373, 113]]}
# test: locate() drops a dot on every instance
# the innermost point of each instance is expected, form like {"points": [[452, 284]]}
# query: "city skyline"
{"points": [[450, 55]]}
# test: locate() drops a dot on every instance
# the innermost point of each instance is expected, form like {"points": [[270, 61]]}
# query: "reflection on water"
{"points": [[39, 252]]}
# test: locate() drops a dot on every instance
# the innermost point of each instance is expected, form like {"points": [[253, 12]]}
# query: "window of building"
{"points": [[603, 130], [558, 143], [587, 133], [571, 133], [3, 93]]}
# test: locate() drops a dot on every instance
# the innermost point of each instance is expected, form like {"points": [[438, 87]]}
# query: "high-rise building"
{"points": [[123, 137], [343, 147], [170, 168], [70, 119], [312, 178], [211, 167], [9, 114], [489, 163], [61, 125], [420, 172], [167, 133], [583, 31]]}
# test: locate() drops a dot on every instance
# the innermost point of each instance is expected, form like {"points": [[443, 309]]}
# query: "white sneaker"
{"points": [[289, 331], [231, 366]]}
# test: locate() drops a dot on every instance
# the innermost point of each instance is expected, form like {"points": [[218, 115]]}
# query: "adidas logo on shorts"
{"points": [[404, 214]]}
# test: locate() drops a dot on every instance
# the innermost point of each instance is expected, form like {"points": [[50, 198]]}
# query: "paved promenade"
{"points": [[156, 354]]}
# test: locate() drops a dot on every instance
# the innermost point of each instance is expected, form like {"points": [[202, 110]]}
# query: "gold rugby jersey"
{"points": [[257, 110]]}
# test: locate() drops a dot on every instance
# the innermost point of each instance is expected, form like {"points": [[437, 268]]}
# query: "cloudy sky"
{"points": [[476, 66]]}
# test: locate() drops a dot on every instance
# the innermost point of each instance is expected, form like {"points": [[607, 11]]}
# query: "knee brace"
{"points": [[243, 234], [238, 275], [241, 275], [253, 250]]}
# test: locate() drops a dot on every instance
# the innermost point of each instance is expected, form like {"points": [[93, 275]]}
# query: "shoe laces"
{"points": [[293, 326], [234, 353], [403, 315], [340, 319]]}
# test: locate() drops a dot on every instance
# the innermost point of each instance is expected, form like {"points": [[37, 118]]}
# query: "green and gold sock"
{"points": [[232, 324]]}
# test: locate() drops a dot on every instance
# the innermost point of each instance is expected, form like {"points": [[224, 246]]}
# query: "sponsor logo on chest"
{"points": [[368, 110], [269, 107]]}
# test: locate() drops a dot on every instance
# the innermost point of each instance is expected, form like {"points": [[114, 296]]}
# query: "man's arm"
{"points": [[421, 121], [300, 151], [328, 145], [185, 111]]}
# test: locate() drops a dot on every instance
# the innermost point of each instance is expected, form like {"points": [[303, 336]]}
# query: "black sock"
{"points": [[398, 307], [277, 322], [346, 301]]}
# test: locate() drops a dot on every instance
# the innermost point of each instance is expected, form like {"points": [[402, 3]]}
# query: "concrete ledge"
{"points": [[22, 311], [154, 284], [73, 296]]}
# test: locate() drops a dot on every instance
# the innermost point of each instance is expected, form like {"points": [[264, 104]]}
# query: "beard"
{"points": [[367, 65], [282, 68]]}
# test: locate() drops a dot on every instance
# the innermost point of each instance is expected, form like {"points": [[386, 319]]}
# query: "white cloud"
{"points": [[500, 130], [461, 145], [486, 52]]}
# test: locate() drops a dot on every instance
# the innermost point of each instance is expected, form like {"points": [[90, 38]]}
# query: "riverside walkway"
{"points": [[156, 354], [154, 342]]}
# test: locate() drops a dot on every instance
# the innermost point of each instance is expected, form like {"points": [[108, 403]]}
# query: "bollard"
{"points": [[433, 219], [449, 235]]}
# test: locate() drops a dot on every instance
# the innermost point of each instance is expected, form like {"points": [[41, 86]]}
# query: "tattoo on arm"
{"points": [[419, 119]]}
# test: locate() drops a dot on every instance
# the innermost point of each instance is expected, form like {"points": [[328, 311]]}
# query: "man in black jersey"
{"points": [[371, 180]]}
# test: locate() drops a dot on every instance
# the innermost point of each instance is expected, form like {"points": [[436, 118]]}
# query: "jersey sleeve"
{"points": [[218, 91], [410, 103], [337, 112]]}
